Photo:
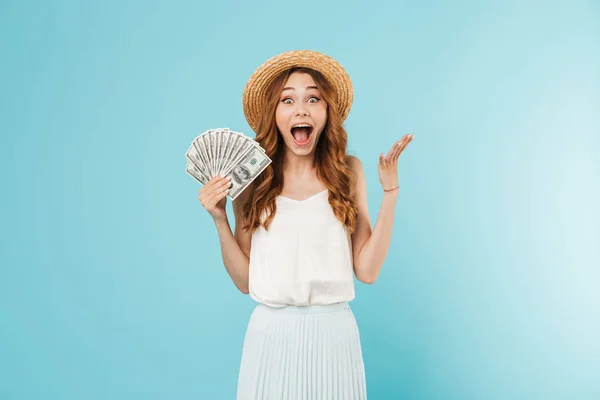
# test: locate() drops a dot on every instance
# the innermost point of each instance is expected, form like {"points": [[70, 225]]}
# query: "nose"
{"points": [[301, 111]]}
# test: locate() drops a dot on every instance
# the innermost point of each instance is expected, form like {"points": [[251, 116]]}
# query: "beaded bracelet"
{"points": [[389, 190]]}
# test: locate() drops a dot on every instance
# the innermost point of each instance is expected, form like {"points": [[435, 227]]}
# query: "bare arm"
{"points": [[370, 247], [235, 248]]}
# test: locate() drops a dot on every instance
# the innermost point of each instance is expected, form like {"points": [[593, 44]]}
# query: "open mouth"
{"points": [[301, 133]]}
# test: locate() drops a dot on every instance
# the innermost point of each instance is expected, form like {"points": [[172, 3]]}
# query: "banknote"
{"points": [[245, 170], [221, 151], [195, 172]]}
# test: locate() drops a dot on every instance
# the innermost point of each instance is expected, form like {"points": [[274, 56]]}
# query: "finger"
{"points": [[218, 193], [207, 191], [211, 182], [397, 146], [406, 138], [223, 182], [204, 200], [404, 142], [216, 185], [219, 177], [218, 197], [391, 151], [382, 161], [215, 180], [402, 146], [396, 149]]}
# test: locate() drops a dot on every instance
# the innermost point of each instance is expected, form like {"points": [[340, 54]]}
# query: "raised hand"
{"points": [[388, 165]]}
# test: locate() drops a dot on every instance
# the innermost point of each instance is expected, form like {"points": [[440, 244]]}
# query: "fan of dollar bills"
{"points": [[224, 152]]}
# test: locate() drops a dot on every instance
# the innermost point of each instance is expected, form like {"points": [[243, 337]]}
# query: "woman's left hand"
{"points": [[388, 165]]}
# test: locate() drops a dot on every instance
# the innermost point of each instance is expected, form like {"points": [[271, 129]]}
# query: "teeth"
{"points": [[301, 126]]}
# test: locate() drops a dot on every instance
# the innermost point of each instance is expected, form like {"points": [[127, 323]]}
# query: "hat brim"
{"points": [[255, 95]]}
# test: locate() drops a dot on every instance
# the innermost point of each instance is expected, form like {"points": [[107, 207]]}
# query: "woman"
{"points": [[302, 232]]}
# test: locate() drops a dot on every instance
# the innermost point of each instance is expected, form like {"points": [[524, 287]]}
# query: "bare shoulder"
{"points": [[354, 163]]}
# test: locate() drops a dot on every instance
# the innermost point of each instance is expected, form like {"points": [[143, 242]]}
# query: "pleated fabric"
{"points": [[303, 353]]}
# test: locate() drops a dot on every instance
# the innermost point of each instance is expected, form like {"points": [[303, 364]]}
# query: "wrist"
{"points": [[221, 221], [391, 193]]}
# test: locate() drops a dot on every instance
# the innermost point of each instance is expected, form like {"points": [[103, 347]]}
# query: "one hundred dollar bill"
{"points": [[246, 170]]}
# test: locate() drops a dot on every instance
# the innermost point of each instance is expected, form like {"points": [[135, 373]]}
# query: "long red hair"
{"points": [[331, 160]]}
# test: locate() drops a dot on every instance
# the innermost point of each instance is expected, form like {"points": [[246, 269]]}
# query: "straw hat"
{"points": [[255, 91]]}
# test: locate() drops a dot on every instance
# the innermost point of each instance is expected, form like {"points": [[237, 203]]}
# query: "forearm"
{"points": [[371, 256], [235, 260]]}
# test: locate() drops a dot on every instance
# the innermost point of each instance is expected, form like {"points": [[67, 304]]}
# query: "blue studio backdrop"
{"points": [[112, 284]]}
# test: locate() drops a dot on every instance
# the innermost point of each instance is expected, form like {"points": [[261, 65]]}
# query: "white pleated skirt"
{"points": [[308, 353]]}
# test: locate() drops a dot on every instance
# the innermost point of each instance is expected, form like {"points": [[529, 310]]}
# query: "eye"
{"points": [[285, 101], [313, 97]]}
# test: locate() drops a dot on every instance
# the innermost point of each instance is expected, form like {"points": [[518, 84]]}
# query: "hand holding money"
{"points": [[224, 152], [212, 196]]}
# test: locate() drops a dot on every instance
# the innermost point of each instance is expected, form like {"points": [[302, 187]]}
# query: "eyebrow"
{"points": [[308, 87]]}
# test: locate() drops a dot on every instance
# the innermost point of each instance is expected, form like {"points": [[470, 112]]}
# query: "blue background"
{"points": [[112, 284]]}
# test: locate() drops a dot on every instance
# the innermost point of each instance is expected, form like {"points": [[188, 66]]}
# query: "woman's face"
{"points": [[301, 103]]}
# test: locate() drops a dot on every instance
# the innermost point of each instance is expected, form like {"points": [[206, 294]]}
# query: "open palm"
{"points": [[388, 165]]}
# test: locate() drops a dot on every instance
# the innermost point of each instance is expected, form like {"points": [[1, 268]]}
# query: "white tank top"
{"points": [[305, 258]]}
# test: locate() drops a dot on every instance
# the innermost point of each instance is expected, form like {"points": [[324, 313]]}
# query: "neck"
{"points": [[299, 166]]}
